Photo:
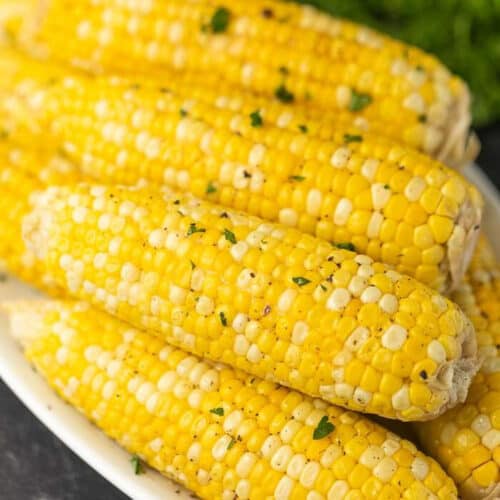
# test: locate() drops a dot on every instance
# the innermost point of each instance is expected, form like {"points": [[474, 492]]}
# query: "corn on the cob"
{"points": [[261, 297], [220, 432], [466, 440], [392, 203], [23, 173], [294, 54]]}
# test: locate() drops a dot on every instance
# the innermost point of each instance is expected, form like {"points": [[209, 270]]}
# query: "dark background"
{"points": [[35, 465]]}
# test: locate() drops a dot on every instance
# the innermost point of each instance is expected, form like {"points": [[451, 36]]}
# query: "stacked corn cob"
{"points": [[387, 201], [261, 297], [332, 64], [466, 440], [229, 287], [220, 432]]}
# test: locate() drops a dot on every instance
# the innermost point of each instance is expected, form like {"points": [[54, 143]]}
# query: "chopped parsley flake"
{"points": [[193, 229], [183, 112], [219, 21], [299, 280], [346, 246], [323, 429], [283, 94], [218, 411], [359, 101], [256, 119], [284, 70], [303, 128], [229, 235], [193, 265], [136, 465], [223, 318], [210, 188], [323, 287], [231, 444], [352, 138], [298, 178], [422, 118], [386, 186]]}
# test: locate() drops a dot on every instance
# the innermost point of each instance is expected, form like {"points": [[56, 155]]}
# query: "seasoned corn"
{"points": [[264, 298], [218, 431], [466, 440], [390, 202], [274, 49]]}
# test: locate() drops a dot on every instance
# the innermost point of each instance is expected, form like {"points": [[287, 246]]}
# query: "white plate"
{"points": [[87, 441]]}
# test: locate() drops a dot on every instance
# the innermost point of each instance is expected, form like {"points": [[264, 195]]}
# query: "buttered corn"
{"points": [[260, 297], [23, 173], [466, 440], [389, 202], [218, 431], [275, 49]]}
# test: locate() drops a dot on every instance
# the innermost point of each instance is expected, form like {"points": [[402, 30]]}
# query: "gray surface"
{"points": [[35, 465]]}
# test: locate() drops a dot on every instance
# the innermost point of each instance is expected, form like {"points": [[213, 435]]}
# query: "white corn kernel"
{"points": [[394, 337], [342, 211], [401, 399], [338, 300], [436, 351], [419, 468], [281, 458]]}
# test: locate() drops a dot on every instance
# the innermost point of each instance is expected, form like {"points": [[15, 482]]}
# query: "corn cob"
{"points": [[218, 431], [264, 298], [466, 440], [23, 173], [392, 203], [289, 54]]}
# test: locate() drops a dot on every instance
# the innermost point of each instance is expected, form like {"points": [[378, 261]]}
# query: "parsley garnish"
{"points": [[231, 444], [298, 178], [303, 129], [299, 280], [210, 188], [323, 429], [223, 318], [346, 246], [352, 138], [359, 101], [137, 465], [183, 112], [229, 235], [283, 94], [218, 411], [193, 229], [256, 119], [422, 118], [284, 70], [323, 287], [219, 21], [386, 186], [193, 265]]}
